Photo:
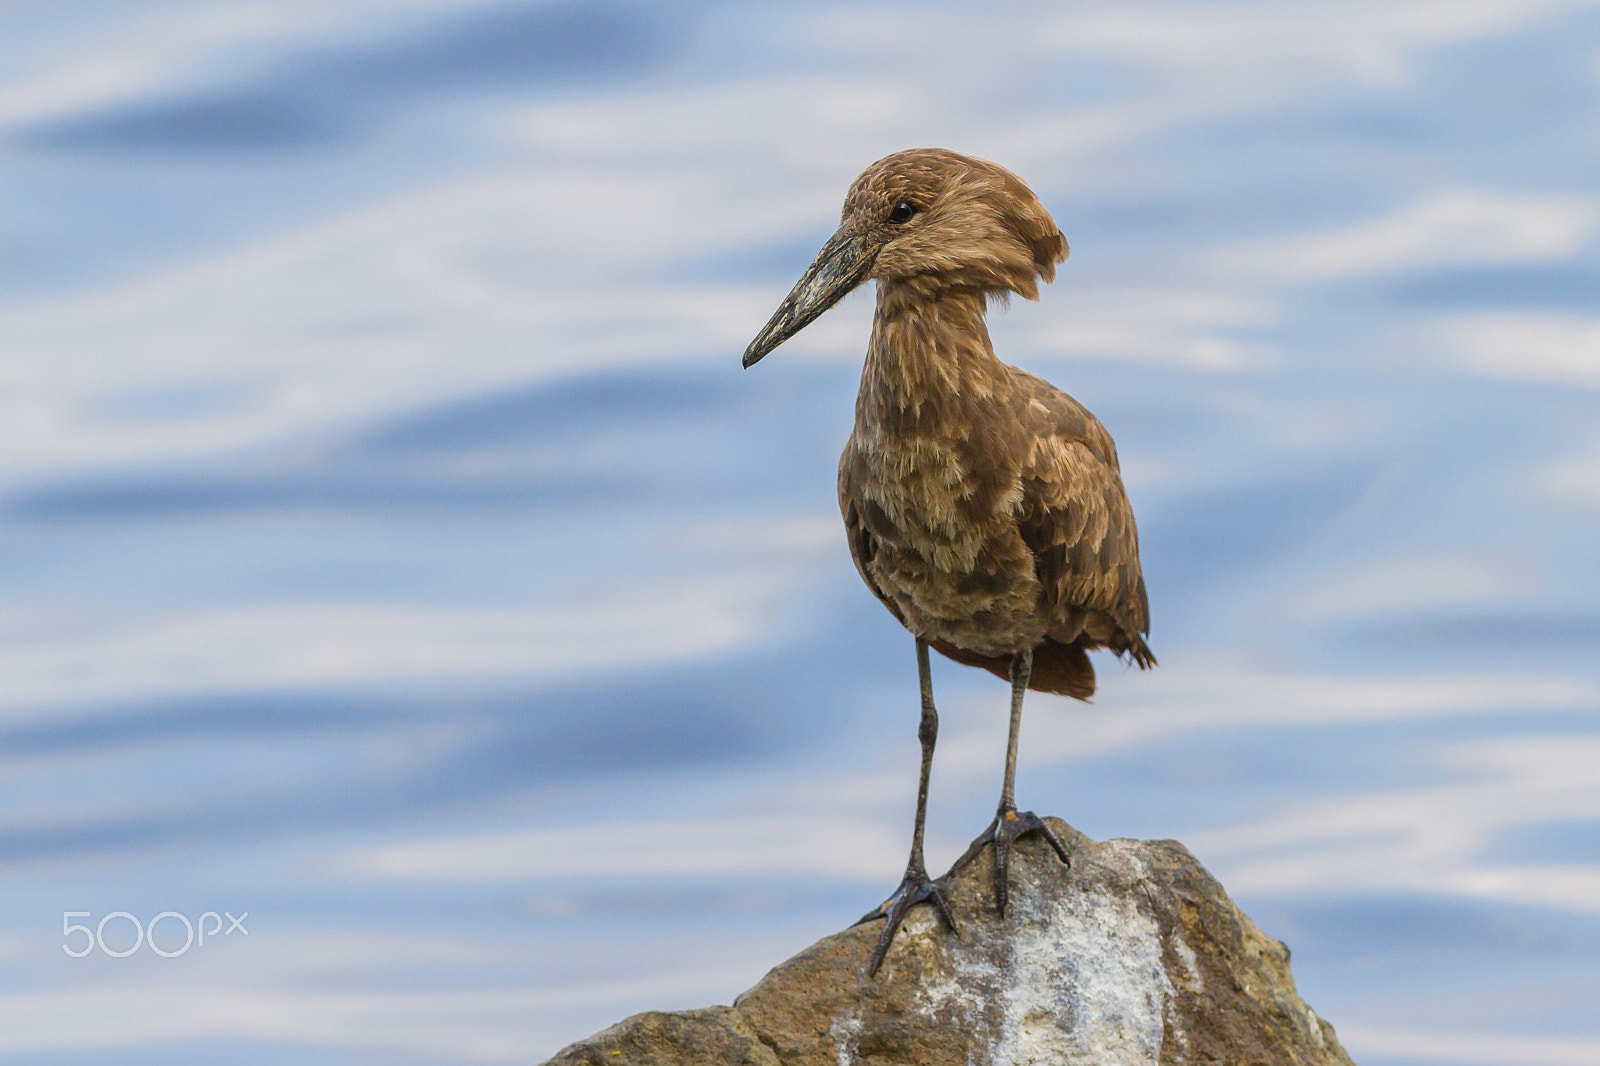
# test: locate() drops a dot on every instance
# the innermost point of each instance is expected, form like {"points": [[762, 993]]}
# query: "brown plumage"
{"points": [[983, 506]]}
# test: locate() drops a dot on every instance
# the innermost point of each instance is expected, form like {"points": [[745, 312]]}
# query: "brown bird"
{"points": [[983, 505]]}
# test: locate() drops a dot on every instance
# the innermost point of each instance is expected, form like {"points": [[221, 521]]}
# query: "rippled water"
{"points": [[392, 549]]}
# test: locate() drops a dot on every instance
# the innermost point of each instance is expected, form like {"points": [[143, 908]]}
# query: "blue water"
{"points": [[392, 549]]}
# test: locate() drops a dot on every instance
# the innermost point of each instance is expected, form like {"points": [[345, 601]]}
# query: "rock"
{"points": [[1133, 954]]}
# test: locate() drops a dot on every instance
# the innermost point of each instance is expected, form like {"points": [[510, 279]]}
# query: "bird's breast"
{"points": [[941, 514], [927, 495]]}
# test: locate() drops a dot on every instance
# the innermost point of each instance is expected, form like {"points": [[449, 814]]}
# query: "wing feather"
{"points": [[1077, 521], [863, 545]]}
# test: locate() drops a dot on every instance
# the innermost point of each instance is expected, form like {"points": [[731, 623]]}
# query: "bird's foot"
{"points": [[1008, 826], [914, 888]]}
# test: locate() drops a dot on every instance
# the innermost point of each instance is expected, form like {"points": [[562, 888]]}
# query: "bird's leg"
{"points": [[1009, 823], [915, 887]]}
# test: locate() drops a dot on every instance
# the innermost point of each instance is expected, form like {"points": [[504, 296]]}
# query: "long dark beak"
{"points": [[841, 265]]}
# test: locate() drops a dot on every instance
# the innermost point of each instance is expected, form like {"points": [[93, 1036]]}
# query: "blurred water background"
{"points": [[391, 547]]}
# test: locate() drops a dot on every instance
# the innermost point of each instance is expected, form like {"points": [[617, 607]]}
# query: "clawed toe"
{"points": [[916, 888], [1007, 828]]}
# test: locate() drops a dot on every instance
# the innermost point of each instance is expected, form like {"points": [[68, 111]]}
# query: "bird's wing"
{"points": [[1076, 519]]}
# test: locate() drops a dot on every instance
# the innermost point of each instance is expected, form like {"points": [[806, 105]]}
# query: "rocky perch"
{"points": [[1134, 954]]}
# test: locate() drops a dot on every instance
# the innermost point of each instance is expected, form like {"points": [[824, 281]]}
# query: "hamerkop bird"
{"points": [[983, 506]]}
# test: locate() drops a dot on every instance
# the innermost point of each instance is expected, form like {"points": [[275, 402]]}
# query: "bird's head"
{"points": [[932, 220]]}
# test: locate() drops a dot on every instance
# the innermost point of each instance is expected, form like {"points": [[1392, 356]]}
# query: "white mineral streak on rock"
{"points": [[1190, 978], [1083, 980], [1086, 986], [969, 984], [1315, 1025], [846, 1033]]}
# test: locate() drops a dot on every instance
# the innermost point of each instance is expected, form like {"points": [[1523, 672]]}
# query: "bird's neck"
{"points": [[927, 351]]}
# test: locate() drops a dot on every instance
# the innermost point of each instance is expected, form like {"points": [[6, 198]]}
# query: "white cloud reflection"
{"points": [[1562, 349], [91, 659], [1449, 228], [1430, 840], [1577, 480]]}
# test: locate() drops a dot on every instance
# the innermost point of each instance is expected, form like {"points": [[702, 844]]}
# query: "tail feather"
{"points": [[1063, 669], [1141, 652]]}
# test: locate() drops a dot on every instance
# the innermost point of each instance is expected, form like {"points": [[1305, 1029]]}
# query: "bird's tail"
{"points": [[1140, 652], [1063, 669]]}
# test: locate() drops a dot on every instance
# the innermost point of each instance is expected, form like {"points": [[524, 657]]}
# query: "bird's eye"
{"points": [[902, 212]]}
